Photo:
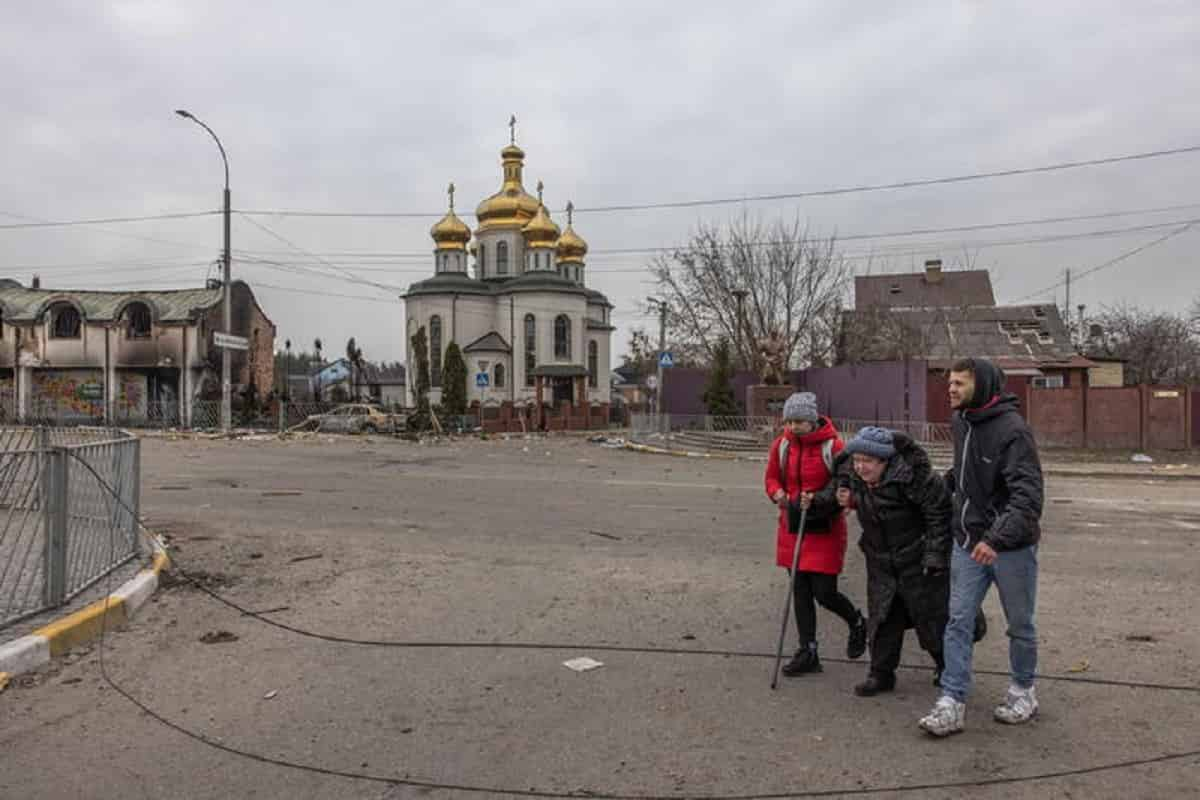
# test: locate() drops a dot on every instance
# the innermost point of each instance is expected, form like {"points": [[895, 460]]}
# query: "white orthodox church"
{"points": [[525, 318]]}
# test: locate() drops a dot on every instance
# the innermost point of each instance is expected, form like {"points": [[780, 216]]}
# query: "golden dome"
{"points": [[541, 230], [512, 206], [571, 246], [451, 233]]}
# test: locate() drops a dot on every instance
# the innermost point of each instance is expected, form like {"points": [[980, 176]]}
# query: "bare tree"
{"points": [[1158, 347], [794, 284]]}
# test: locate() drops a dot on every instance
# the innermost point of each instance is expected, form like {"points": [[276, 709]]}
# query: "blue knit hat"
{"points": [[801, 406], [872, 441]]}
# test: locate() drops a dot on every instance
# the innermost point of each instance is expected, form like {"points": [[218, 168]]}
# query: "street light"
{"points": [[226, 410]]}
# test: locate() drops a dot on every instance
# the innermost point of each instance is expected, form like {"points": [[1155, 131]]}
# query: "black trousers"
{"points": [[810, 588], [889, 640]]}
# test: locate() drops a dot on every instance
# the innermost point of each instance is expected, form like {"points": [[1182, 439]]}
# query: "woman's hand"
{"points": [[780, 498], [805, 501], [844, 498]]}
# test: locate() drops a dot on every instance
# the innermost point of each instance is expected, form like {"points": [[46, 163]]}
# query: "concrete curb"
{"points": [[38, 648], [1046, 470]]}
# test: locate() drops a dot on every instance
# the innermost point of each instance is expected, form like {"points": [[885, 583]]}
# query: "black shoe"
{"points": [[803, 662], [856, 645], [875, 684]]}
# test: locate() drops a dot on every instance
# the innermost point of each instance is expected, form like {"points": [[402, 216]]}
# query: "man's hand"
{"points": [[805, 501], [844, 498], [983, 554], [780, 498]]}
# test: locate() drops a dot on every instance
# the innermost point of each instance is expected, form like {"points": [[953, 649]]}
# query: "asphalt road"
{"points": [[564, 543]]}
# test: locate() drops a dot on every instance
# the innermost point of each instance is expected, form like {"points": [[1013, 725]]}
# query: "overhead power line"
{"points": [[351, 276], [1112, 262], [830, 192], [67, 223]]}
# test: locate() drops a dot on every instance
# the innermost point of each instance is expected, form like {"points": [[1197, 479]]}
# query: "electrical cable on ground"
{"points": [[859, 791]]}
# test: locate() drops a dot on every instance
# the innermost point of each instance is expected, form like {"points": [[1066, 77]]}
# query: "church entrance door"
{"points": [[563, 391]]}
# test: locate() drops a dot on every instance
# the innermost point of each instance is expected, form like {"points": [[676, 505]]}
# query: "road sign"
{"points": [[666, 360], [652, 382], [231, 342], [481, 380]]}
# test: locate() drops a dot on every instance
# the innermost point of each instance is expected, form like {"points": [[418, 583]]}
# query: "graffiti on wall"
{"points": [[74, 391]]}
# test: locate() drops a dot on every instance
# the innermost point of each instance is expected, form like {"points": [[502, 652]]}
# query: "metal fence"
{"points": [[61, 528]]}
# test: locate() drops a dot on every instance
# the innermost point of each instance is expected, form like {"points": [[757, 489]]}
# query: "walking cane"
{"points": [[787, 601]]}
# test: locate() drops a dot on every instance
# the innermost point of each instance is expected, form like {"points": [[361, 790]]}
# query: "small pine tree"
{"points": [[454, 382], [420, 358], [718, 393]]}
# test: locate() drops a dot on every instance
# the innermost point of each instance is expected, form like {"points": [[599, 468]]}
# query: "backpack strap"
{"points": [[826, 456]]}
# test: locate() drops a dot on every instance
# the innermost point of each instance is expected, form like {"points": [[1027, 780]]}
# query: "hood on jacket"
{"points": [[824, 430], [989, 383]]}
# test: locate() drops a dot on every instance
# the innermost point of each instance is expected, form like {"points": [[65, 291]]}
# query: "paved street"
{"points": [[561, 542]]}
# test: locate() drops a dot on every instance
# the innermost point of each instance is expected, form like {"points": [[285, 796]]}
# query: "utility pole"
{"points": [[662, 348], [226, 407], [1068, 299]]}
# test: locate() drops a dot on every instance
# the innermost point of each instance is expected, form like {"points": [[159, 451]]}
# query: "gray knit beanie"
{"points": [[872, 441], [801, 406]]}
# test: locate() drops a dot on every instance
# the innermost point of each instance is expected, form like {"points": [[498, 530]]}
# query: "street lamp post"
{"points": [[226, 408]]}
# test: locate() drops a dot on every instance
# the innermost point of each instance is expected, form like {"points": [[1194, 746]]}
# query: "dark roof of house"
{"points": [[956, 289], [541, 281], [1033, 333], [560, 371], [490, 342], [598, 298], [375, 374], [597, 325], [21, 304]]}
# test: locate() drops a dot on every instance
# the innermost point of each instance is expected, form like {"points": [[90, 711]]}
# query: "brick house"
{"points": [[939, 317], [98, 356]]}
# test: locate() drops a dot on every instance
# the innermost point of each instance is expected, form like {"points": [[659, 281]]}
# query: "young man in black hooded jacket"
{"points": [[997, 491]]}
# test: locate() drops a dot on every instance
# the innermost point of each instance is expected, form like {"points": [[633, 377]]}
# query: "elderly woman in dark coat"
{"points": [[904, 511]]}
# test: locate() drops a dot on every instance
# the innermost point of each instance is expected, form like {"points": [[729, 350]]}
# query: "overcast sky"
{"points": [[375, 107]]}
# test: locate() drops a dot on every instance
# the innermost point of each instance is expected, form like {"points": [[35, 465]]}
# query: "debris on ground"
{"points": [[283, 493], [309, 557], [218, 637], [1082, 666], [271, 694], [583, 664], [1141, 637], [1141, 458], [604, 535], [4, 679], [266, 611]]}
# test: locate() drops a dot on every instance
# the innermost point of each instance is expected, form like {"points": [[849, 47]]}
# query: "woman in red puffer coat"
{"points": [[809, 443]]}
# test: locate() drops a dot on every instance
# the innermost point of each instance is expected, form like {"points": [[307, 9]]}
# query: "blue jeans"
{"points": [[1015, 576]]}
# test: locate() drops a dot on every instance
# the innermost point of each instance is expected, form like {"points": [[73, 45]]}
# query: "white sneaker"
{"points": [[948, 716], [1019, 706]]}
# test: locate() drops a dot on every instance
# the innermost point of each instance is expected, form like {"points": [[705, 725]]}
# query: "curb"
{"points": [[38, 648], [1049, 471]]}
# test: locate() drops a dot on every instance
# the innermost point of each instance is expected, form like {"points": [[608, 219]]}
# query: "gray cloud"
{"points": [[376, 106]]}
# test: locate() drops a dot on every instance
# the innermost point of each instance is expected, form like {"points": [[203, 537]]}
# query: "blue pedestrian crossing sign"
{"points": [[481, 380], [666, 360]]}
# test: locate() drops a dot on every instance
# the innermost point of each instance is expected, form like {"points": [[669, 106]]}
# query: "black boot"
{"points": [[876, 684], [856, 645], [980, 626], [803, 662]]}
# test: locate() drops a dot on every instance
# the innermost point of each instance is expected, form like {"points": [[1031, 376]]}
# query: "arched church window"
{"points": [[593, 364], [479, 262], [498, 381], [502, 258], [435, 351], [530, 348], [562, 336]]}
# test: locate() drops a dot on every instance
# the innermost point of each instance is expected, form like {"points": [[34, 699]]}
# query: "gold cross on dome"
{"points": [[540, 187], [450, 191], [512, 129], [570, 212]]}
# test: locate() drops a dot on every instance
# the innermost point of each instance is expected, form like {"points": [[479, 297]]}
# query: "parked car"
{"points": [[356, 418]]}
